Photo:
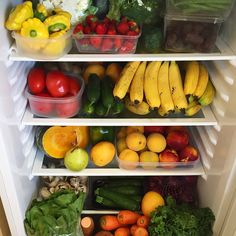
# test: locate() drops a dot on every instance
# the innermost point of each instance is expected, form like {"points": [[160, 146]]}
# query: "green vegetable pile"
{"points": [[57, 215], [181, 220], [196, 6]]}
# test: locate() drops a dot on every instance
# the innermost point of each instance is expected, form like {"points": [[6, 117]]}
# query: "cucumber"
{"points": [[100, 110], [127, 190], [102, 8], [137, 198], [88, 108], [93, 88], [107, 93], [105, 202], [121, 200], [117, 108]]}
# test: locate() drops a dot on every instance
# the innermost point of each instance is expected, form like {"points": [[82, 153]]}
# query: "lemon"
{"points": [[150, 202], [156, 142]]}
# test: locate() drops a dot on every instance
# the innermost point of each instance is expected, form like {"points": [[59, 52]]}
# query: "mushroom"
{"points": [[62, 185], [44, 193]]}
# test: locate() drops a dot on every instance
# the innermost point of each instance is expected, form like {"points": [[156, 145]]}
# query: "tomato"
{"points": [[43, 108], [57, 83], [74, 85], [67, 109], [36, 80]]}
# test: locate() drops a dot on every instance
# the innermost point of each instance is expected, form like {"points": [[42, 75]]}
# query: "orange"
{"points": [[128, 159], [150, 202], [136, 141], [156, 142]]}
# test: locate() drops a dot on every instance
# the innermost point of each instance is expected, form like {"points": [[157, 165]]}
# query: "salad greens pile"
{"points": [[58, 215], [181, 220]]}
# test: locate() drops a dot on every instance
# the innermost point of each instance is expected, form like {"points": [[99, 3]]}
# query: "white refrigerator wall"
{"points": [[216, 144]]}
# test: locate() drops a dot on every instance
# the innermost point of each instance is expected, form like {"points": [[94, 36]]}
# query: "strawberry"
{"points": [[117, 43], [124, 19], [132, 33], [123, 28], [111, 30], [107, 21], [78, 29], [90, 19], [127, 46], [83, 42], [95, 41], [101, 28], [93, 25], [132, 25], [87, 30], [107, 45]]}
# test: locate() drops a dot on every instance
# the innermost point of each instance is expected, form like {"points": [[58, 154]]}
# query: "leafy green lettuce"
{"points": [[55, 216], [181, 220]]}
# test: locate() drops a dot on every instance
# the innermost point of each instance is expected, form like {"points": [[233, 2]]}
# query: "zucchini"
{"points": [[88, 108], [117, 108], [105, 202], [107, 93], [120, 182], [93, 88], [121, 200], [137, 198], [100, 110], [126, 189]]}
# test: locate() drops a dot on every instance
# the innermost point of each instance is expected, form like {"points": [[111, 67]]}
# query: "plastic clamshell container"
{"points": [[116, 44], [43, 49], [50, 107], [191, 34], [209, 9]]}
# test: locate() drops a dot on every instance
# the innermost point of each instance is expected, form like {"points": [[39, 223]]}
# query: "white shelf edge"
{"points": [[225, 54], [208, 119], [37, 170]]}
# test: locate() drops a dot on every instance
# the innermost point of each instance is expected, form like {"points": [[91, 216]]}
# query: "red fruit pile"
{"points": [[54, 84], [107, 35]]}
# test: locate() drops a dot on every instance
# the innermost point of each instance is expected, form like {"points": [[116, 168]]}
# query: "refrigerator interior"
{"points": [[214, 138]]}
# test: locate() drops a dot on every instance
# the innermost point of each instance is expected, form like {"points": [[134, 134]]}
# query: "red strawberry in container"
{"points": [[90, 19], [95, 41], [117, 42], [123, 27], [107, 45], [101, 28], [87, 29], [79, 28], [111, 30], [127, 46]]}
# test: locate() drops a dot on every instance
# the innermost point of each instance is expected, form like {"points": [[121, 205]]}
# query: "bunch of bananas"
{"points": [[159, 85]]}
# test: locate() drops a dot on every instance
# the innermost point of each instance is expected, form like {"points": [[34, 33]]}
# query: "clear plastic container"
{"points": [[209, 9], [64, 107], [153, 165], [43, 49], [191, 34], [93, 43]]}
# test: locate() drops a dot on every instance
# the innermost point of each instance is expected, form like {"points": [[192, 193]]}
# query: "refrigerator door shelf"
{"points": [[110, 170], [224, 53], [204, 118]]}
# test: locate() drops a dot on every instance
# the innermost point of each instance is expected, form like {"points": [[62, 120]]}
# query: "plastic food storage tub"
{"points": [[93, 43], [43, 49], [208, 9], [191, 34], [64, 107]]}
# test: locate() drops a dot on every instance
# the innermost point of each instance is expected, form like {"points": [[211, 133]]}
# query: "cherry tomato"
{"points": [[57, 84], [36, 80], [43, 108], [67, 109], [74, 85]]}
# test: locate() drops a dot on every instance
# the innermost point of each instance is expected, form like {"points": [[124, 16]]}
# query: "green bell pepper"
{"points": [[101, 133]]}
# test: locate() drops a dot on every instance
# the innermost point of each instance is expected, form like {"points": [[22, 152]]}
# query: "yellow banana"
{"points": [[162, 112], [150, 84], [164, 88], [208, 94], [126, 77], [193, 108], [176, 87], [191, 77], [141, 109], [202, 81], [136, 88]]}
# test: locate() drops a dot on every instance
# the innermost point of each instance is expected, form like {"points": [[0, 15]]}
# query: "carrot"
{"points": [[143, 221], [140, 231], [109, 222], [127, 217], [133, 228], [123, 231], [104, 233]]}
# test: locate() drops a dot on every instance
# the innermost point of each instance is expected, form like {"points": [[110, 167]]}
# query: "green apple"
{"points": [[76, 159]]}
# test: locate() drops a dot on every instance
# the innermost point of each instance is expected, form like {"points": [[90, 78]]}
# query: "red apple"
{"points": [[154, 129], [189, 153], [177, 140], [169, 155], [176, 128]]}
